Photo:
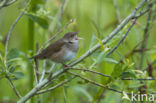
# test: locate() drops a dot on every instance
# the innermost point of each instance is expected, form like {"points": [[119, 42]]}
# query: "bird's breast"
{"points": [[69, 55]]}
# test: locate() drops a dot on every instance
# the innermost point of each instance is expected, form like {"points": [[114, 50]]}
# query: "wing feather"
{"points": [[50, 50]]}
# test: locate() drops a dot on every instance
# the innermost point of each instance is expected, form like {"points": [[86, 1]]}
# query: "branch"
{"points": [[44, 70], [117, 11], [40, 85], [9, 34], [36, 67], [92, 72], [142, 12], [95, 83], [58, 18], [6, 50], [13, 87], [122, 39], [152, 63], [56, 86], [110, 36], [61, 12], [145, 37], [85, 55], [139, 79], [5, 3]]}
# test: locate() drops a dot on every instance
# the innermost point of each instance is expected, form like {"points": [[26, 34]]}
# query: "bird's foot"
{"points": [[65, 66]]}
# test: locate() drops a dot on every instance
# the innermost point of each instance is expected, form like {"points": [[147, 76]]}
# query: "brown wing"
{"points": [[51, 49]]}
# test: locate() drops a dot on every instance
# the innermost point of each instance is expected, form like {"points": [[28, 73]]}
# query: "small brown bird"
{"points": [[62, 50]]}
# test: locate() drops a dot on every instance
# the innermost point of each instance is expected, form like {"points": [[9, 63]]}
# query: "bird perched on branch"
{"points": [[62, 50]]}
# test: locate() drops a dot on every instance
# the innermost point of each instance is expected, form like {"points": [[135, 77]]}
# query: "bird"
{"points": [[62, 50]]}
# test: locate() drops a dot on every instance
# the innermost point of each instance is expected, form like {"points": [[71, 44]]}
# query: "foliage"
{"points": [[95, 19]]}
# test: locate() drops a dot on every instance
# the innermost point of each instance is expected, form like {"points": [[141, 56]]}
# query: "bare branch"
{"points": [[13, 87], [36, 67], [110, 36], [9, 34], [85, 55], [44, 70], [56, 86], [58, 18], [122, 39], [91, 72], [61, 12], [95, 83], [117, 11], [6, 3], [40, 85], [6, 51], [145, 37], [139, 79]]}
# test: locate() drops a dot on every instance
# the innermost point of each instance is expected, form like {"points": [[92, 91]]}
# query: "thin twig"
{"points": [[142, 12], [6, 3], [117, 10], [58, 17], [61, 13], [6, 51], [99, 12], [50, 72], [91, 72], [89, 52], [121, 39], [3, 3], [56, 86], [8, 37], [40, 85], [95, 83], [145, 37], [44, 70], [139, 79], [153, 62], [110, 36], [36, 67], [13, 87], [9, 3]]}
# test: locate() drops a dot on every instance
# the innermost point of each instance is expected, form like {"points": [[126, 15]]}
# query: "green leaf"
{"points": [[12, 69], [102, 55], [128, 74], [101, 45], [110, 60], [1, 46], [135, 84], [117, 71], [84, 92], [18, 74], [42, 21], [92, 41], [35, 5], [13, 53]]}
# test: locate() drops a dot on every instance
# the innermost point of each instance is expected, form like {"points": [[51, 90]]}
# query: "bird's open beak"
{"points": [[78, 38]]}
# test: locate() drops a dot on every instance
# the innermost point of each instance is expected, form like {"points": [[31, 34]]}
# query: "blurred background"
{"points": [[95, 19]]}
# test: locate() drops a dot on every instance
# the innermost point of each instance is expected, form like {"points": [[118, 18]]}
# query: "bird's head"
{"points": [[71, 37]]}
